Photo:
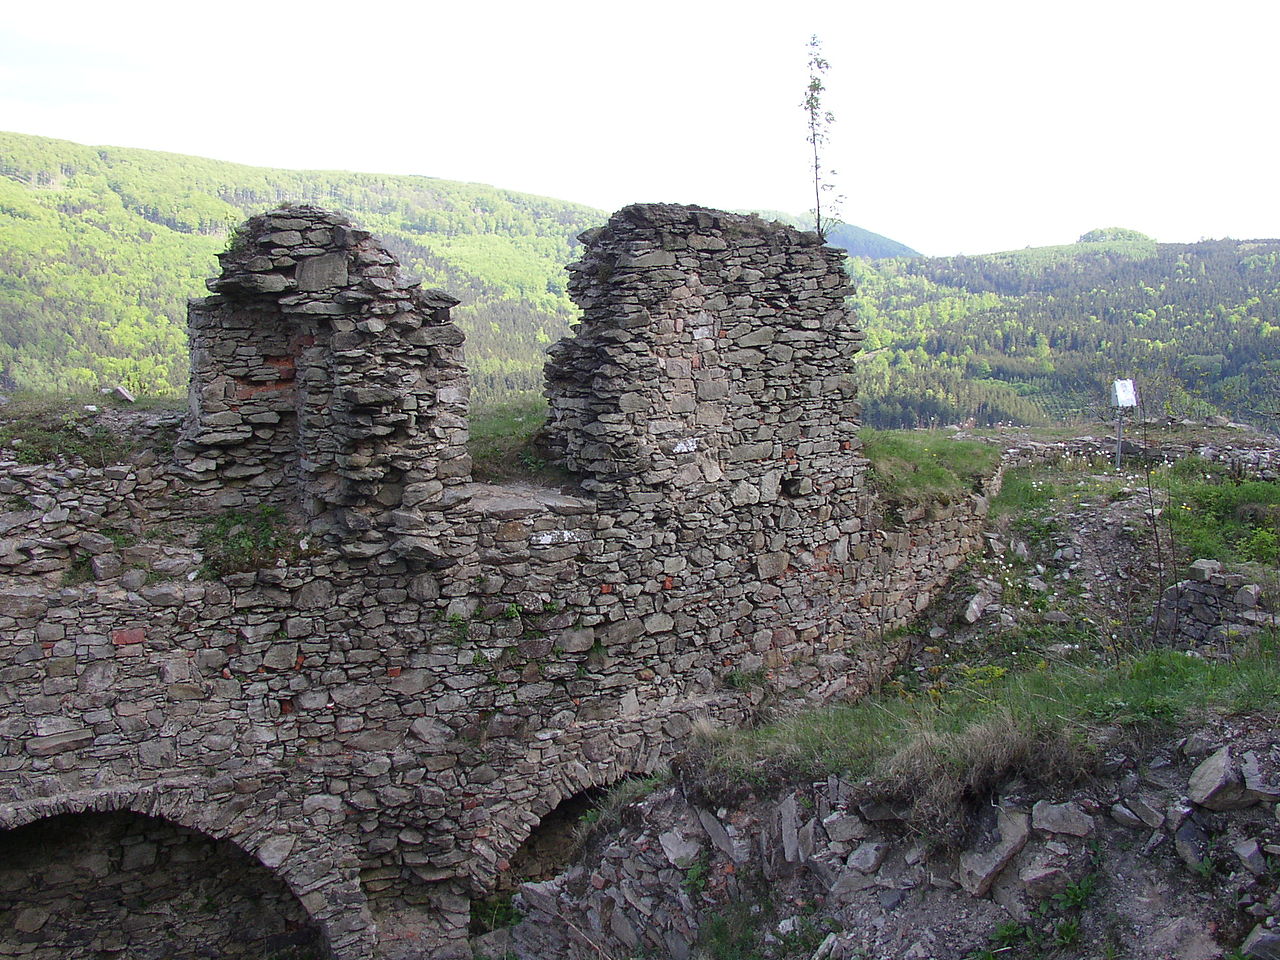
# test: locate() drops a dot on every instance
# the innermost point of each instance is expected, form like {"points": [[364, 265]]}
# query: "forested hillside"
{"points": [[1038, 334], [100, 247]]}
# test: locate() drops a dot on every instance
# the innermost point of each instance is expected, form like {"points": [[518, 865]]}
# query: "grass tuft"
{"points": [[1023, 490], [240, 541], [504, 445], [1216, 517], [942, 754], [921, 469]]}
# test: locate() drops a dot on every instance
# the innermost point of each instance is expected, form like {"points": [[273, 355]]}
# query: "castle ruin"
{"points": [[367, 730]]}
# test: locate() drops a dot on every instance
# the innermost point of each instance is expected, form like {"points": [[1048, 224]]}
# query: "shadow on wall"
{"points": [[113, 884]]}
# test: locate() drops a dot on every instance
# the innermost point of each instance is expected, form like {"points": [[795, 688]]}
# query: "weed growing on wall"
{"points": [[607, 813], [239, 541]]}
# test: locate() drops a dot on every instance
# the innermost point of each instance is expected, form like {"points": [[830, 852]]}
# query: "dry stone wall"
{"points": [[1212, 606], [383, 714], [316, 366]]}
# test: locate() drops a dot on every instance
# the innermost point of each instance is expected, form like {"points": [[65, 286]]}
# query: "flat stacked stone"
{"points": [[318, 368], [715, 349], [1211, 606], [449, 660]]}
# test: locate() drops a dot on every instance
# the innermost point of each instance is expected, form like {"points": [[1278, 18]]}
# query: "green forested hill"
{"points": [[100, 247], [1038, 334]]}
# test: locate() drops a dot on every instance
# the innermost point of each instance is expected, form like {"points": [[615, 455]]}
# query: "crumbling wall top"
{"points": [[315, 262], [713, 346], [320, 374]]}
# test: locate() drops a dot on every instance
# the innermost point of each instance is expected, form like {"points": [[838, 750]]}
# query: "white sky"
{"points": [[961, 127]]}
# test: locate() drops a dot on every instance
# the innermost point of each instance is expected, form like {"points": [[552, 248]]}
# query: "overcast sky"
{"points": [[961, 127]]}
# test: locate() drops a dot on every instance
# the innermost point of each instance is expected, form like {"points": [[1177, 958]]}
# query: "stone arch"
{"points": [[607, 763], [323, 877]]}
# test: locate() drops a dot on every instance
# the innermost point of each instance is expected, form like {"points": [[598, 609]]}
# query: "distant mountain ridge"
{"points": [[855, 240], [100, 248]]}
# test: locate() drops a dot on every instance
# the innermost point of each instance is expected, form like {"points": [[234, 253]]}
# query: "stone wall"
{"points": [[317, 369], [385, 712], [1212, 606]]}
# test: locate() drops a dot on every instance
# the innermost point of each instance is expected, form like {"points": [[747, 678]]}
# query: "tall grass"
{"points": [[916, 468], [936, 754]]}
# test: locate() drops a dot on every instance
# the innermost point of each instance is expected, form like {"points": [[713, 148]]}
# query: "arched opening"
{"points": [[551, 845], [98, 885], [548, 850]]}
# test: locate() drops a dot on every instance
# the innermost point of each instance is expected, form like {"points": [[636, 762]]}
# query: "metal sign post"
{"points": [[1123, 396]]}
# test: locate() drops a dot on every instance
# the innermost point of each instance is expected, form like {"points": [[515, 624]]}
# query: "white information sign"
{"points": [[1124, 394]]}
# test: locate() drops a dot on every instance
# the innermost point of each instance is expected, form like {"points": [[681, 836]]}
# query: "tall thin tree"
{"points": [[820, 120]]}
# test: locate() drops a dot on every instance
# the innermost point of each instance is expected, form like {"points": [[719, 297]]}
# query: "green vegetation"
{"points": [[925, 469], [1038, 334], [1023, 491], [100, 247], [503, 442], [493, 913], [695, 877], [1215, 517], [80, 571], [819, 120], [42, 429], [939, 753], [606, 814], [746, 931], [238, 541], [1056, 923], [1106, 234]]}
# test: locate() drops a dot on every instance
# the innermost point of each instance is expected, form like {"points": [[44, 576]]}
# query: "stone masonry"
{"points": [[383, 714], [317, 368], [1213, 606]]}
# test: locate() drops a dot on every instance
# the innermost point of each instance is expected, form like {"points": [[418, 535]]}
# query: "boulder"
{"points": [[1216, 784], [1061, 818], [979, 868]]}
